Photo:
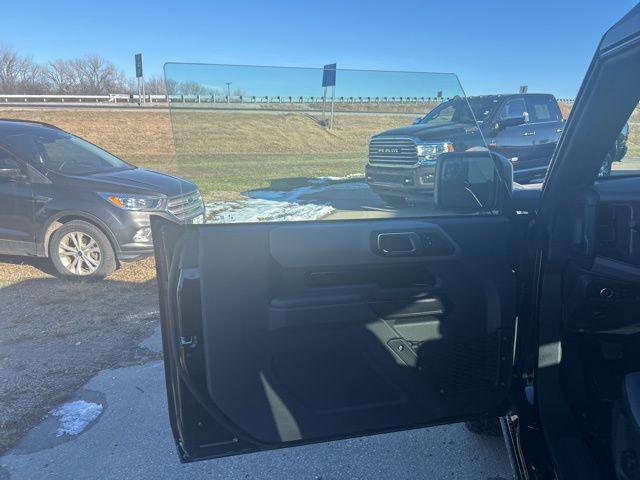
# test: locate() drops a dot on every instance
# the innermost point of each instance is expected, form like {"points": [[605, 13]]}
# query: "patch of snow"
{"points": [[75, 416], [280, 205], [260, 210], [351, 176]]}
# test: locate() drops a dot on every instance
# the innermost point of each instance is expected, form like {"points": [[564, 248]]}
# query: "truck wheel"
{"points": [[79, 249], [394, 201], [489, 427]]}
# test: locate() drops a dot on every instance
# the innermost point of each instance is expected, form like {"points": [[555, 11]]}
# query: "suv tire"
{"points": [[393, 200], [79, 249]]}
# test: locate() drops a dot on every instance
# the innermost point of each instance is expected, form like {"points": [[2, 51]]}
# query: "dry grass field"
{"points": [[225, 152]]}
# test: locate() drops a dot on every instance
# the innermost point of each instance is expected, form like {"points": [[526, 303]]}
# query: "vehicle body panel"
{"points": [[285, 334]]}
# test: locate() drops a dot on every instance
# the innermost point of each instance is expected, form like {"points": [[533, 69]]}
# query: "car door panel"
{"points": [[516, 143], [283, 334], [547, 135], [17, 229]]}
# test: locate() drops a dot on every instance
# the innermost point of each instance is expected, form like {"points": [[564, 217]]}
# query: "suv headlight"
{"points": [[428, 152], [135, 202]]}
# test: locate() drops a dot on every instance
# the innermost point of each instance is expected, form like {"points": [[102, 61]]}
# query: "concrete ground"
{"points": [[132, 439]]}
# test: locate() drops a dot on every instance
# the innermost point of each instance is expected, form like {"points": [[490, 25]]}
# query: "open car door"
{"points": [[354, 322]]}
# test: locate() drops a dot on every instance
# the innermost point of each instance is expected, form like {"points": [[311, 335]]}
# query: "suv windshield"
{"points": [[61, 152], [457, 110]]}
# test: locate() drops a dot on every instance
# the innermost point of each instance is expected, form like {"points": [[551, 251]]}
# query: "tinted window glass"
{"points": [[512, 108], [543, 109], [61, 152], [462, 110], [7, 160]]}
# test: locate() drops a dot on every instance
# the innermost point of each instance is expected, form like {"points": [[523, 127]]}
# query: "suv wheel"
{"points": [[80, 249], [394, 201]]}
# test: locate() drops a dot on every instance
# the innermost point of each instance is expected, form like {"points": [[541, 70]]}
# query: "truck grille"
{"points": [[392, 151], [185, 207]]}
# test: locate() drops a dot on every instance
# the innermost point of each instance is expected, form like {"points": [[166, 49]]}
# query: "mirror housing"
{"points": [[472, 181], [11, 173]]}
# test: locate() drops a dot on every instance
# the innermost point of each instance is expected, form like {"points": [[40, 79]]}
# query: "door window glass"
{"points": [[543, 109], [274, 144], [512, 108]]}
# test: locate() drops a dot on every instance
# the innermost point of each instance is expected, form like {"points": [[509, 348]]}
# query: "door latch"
{"points": [[189, 342]]}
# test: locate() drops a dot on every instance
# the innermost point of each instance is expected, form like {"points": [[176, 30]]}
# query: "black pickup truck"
{"points": [[523, 127]]}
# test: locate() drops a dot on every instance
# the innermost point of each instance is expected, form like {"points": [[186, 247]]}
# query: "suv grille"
{"points": [[185, 207], [392, 151]]}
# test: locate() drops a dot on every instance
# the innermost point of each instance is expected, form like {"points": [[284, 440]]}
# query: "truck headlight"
{"points": [[428, 152], [134, 202]]}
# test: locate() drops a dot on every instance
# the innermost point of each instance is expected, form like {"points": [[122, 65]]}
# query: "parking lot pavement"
{"points": [[132, 439]]}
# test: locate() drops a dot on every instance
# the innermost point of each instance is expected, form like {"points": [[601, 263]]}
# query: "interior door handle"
{"points": [[399, 243], [528, 134]]}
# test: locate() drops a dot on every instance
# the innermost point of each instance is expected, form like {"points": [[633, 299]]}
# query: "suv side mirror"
{"points": [[509, 122], [472, 181], [416, 120]]}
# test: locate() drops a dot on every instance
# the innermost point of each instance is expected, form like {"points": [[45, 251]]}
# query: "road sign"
{"points": [[329, 80], [139, 65], [329, 75]]}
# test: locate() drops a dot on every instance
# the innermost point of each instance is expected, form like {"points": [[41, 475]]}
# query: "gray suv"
{"points": [[64, 198]]}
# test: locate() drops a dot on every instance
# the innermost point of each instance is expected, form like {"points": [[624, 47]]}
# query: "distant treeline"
{"points": [[87, 75]]}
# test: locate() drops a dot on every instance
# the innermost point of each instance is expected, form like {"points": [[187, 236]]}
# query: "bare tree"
{"points": [[97, 76], [88, 75], [62, 77], [171, 86], [155, 85], [19, 74], [192, 88]]}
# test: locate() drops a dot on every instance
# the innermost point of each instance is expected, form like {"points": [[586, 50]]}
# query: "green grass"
{"points": [[225, 177]]}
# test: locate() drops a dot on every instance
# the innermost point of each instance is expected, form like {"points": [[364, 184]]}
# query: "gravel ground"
{"points": [[56, 334]]}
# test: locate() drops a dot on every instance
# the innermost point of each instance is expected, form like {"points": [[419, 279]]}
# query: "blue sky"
{"points": [[493, 46]]}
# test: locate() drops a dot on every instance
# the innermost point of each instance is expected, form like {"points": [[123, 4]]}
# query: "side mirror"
{"points": [[472, 181], [510, 122], [416, 120], [11, 173]]}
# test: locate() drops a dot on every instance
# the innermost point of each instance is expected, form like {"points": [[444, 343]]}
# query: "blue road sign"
{"points": [[329, 75], [138, 65]]}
